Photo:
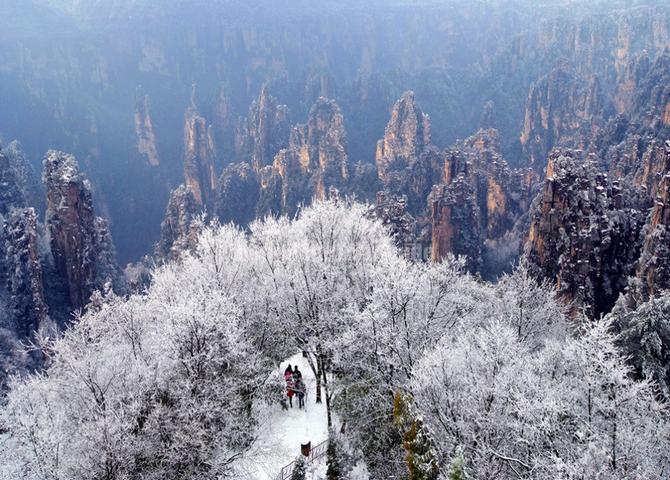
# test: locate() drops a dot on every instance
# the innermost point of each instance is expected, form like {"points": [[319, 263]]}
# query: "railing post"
{"points": [[313, 453]]}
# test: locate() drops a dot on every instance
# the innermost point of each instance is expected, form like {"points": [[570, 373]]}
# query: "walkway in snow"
{"points": [[282, 432]]}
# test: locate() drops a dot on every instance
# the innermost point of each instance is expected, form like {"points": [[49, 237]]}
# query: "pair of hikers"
{"points": [[294, 386]]}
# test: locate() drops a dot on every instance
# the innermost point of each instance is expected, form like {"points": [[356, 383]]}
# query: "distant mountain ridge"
{"points": [[110, 82]]}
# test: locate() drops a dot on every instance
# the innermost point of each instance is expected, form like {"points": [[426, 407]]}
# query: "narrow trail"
{"points": [[282, 432]]}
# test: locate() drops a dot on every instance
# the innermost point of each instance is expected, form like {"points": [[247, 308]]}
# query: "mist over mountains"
{"points": [[82, 66]]}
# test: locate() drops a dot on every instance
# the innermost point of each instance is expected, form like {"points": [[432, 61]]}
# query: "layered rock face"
{"points": [[584, 233], [365, 182], [270, 195], [238, 194], [20, 263], [503, 194], [584, 106], [648, 163], [562, 109], [178, 231], [25, 177], [199, 158], [479, 200], [315, 160], [267, 131], [22, 268], [23, 305], [639, 158], [230, 130], [326, 142], [200, 193], [629, 81], [586, 228], [455, 222], [654, 265], [11, 195], [411, 235], [144, 129], [651, 103], [80, 243], [633, 144]]}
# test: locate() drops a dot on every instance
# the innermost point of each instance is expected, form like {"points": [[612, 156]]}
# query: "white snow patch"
{"points": [[360, 472]]}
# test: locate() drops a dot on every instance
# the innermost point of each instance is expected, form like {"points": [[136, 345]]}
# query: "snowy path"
{"points": [[282, 432]]}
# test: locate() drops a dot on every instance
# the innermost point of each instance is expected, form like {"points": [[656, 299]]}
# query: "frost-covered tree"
{"points": [[162, 385], [531, 308], [567, 410], [645, 337], [320, 270], [170, 383], [409, 309]]}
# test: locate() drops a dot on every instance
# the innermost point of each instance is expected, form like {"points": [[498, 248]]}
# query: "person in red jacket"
{"points": [[288, 377]]}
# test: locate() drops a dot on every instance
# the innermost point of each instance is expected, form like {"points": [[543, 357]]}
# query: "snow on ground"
{"points": [[281, 433]]}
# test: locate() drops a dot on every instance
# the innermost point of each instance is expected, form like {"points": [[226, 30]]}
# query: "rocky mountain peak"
{"points": [[199, 158], [478, 201], [406, 137], [267, 130], [326, 141], [80, 243], [178, 229], [316, 159]]}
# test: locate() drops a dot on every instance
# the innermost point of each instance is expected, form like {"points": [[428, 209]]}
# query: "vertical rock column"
{"points": [[80, 242], [23, 271], [199, 158]]}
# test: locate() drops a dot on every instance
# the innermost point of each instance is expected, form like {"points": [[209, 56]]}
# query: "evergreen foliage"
{"points": [[419, 453], [334, 459], [300, 469], [457, 467]]}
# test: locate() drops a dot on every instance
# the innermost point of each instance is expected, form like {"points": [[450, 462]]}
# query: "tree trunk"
{"points": [[316, 369], [614, 432], [328, 396], [343, 428], [318, 386]]}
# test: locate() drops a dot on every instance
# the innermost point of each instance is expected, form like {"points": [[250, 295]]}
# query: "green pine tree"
{"points": [[334, 459], [419, 455], [420, 458], [300, 469], [457, 467]]}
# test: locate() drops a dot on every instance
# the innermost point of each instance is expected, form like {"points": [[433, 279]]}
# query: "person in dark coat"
{"points": [[299, 387], [297, 374]]}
